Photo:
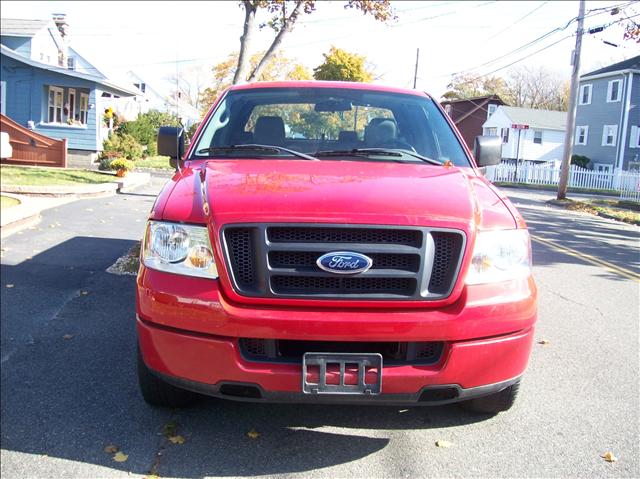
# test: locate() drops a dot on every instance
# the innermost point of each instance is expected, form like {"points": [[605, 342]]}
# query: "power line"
{"points": [[518, 21]]}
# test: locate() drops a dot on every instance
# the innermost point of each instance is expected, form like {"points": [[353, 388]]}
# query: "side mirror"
{"points": [[171, 143], [488, 150]]}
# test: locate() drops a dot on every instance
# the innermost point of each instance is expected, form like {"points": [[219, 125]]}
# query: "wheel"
{"points": [[493, 403], [157, 392]]}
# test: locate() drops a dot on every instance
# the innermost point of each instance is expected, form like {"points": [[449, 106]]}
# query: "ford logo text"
{"points": [[344, 262]]}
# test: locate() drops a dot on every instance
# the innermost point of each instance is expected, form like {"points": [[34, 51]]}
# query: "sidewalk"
{"points": [[35, 199]]}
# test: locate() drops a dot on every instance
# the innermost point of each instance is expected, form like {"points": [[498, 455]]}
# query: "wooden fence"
{"points": [[31, 148]]}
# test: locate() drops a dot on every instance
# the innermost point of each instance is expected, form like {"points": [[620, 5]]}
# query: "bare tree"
{"points": [[537, 87], [189, 84]]}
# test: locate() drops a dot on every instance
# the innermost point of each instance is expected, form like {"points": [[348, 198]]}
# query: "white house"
{"points": [[540, 136], [150, 99]]}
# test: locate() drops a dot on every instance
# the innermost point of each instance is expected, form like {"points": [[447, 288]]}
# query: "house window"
{"points": [[71, 63], [84, 108], [634, 140], [505, 135], [70, 107], [614, 91], [609, 133], [585, 94], [60, 58], [491, 131], [447, 109], [56, 96], [582, 133], [537, 137], [491, 109]]}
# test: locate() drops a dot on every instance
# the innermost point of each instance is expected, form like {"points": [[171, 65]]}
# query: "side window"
{"points": [[585, 94], [614, 91], [491, 109], [537, 137]]}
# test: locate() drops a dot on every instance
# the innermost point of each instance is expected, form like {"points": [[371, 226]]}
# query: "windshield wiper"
{"points": [[366, 152], [257, 147]]}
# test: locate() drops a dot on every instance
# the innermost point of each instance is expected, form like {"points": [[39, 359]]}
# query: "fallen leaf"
{"points": [[544, 341], [176, 439], [609, 457], [152, 476], [443, 444], [111, 449], [170, 429], [9, 285], [84, 293], [52, 225], [69, 336], [253, 434], [120, 457]]}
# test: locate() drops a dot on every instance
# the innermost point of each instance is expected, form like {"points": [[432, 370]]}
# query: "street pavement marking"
{"points": [[627, 273]]}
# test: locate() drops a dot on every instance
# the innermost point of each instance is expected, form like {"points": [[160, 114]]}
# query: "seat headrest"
{"points": [[383, 130], [269, 130], [347, 136]]}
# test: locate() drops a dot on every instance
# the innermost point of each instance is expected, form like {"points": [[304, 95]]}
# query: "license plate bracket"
{"points": [[366, 362]]}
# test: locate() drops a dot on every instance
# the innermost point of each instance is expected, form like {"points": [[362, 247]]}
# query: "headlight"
{"points": [[179, 249], [500, 256]]}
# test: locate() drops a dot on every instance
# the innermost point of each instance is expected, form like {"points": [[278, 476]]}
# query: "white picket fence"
{"points": [[624, 182]]}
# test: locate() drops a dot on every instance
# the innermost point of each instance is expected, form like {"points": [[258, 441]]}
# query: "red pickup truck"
{"points": [[333, 242]]}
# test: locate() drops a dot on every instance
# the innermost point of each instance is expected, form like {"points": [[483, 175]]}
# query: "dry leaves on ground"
{"points": [[443, 444], [111, 449], [544, 342], [176, 439], [253, 434], [609, 457], [120, 456], [67, 336]]}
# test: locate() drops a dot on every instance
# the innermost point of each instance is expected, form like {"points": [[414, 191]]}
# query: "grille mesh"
{"points": [[445, 260], [240, 243], [281, 234], [307, 260], [319, 285]]}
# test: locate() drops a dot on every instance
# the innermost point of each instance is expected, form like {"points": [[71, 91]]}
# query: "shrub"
{"points": [[105, 163], [121, 164], [144, 129], [122, 145], [581, 161]]}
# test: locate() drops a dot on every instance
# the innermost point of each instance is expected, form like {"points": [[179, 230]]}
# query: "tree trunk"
{"points": [[245, 41], [277, 41]]}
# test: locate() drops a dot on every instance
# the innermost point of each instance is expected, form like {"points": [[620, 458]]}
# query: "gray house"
{"points": [[608, 117]]}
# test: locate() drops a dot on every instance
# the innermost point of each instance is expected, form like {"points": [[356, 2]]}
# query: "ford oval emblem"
{"points": [[344, 262]]}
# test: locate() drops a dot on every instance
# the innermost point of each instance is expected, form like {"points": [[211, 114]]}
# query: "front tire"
{"points": [[493, 403], [158, 393]]}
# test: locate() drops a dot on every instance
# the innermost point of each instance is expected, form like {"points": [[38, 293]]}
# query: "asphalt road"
{"points": [[64, 400]]}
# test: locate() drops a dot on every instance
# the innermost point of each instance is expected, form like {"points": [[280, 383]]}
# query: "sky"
{"points": [[156, 39]]}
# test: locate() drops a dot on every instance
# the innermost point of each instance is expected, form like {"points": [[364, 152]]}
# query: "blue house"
{"points": [[48, 87], [608, 117]]}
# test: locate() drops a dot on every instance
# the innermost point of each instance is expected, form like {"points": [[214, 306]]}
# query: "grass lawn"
{"points": [[555, 188], [627, 211], [7, 202], [157, 162], [16, 175]]}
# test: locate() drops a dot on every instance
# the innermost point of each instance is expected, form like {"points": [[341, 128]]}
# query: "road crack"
{"points": [[572, 301]]}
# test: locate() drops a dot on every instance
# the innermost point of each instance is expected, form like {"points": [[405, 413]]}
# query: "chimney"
{"points": [[60, 19]]}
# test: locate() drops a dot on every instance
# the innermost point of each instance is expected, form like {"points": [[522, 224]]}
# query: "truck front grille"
{"points": [[280, 261]]}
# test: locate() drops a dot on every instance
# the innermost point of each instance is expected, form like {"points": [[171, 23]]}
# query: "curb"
{"points": [[133, 180]]}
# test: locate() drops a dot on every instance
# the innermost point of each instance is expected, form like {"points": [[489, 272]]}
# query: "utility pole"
{"points": [[571, 114], [415, 73]]}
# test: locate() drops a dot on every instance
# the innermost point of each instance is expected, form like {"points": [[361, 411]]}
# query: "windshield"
{"points": [[328, 123]]}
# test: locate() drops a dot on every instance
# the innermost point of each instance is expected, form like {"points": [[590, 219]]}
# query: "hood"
{"points": [[329, 191]]}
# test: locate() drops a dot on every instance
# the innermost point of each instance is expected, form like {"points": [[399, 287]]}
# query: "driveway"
{"points": [[69, 384]]}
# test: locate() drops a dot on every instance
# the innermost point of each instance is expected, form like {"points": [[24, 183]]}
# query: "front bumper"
{"points": [[215, 366], [189, 335]]}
